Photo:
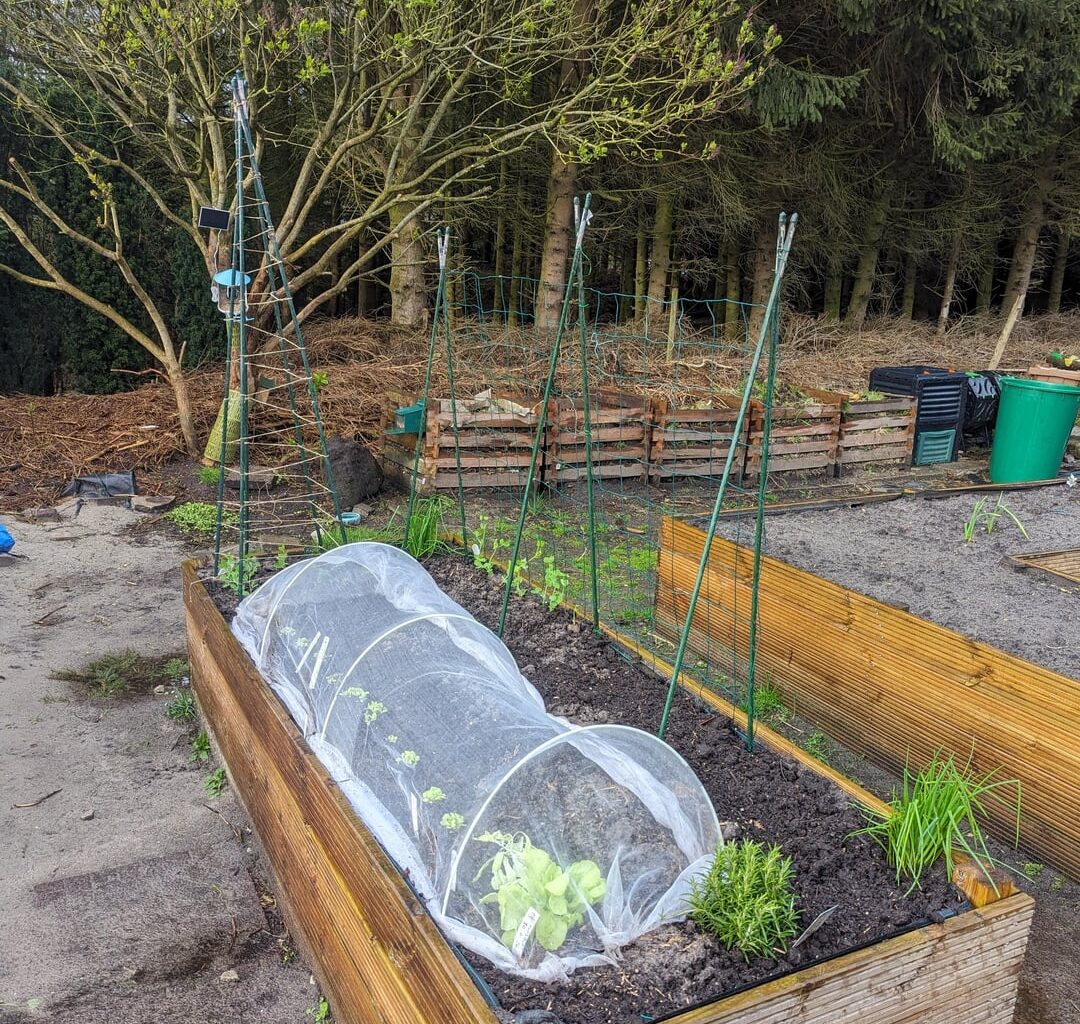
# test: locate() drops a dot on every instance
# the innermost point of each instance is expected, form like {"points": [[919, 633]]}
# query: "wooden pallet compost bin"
{"points": [[496, 438], [381, 960], [693, 441], [888, 684], [619, 427], [802, 439], [874, 432]]}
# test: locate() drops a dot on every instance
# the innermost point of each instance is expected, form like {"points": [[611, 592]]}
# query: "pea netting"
{"points": [[539, 845]]}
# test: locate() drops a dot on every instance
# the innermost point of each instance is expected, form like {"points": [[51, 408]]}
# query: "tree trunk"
{"points": [[1027, 239], [764, 264], [516, 254], [733, 321], [950, 286], [984, 287], [500, 224], [408, 285], [863, 284], [661, 259], [557, 230], [183, 406], [641, 264], [907, 295], [1057, 275], [834, 289], [626, 280]]}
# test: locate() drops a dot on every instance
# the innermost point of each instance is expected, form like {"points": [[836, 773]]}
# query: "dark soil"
{"points": [[763, 796], [768, 797]]}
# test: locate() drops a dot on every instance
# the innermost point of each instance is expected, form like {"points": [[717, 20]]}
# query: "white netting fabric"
{"points": [[539, 845]]}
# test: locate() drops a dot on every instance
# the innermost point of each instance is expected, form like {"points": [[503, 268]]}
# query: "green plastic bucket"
{"points": [[1033, 425]]}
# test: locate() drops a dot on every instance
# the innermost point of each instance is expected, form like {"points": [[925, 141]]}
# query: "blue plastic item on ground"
{"points": [[7, 542]]}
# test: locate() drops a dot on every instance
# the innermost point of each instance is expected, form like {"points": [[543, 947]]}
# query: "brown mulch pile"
{"points": [[46, 441]]}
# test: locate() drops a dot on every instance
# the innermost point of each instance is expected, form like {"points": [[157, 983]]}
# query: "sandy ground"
{"points": [[911, 552], [133, 914]]}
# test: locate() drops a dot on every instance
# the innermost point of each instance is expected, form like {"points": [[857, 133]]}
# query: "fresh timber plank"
{"points": [[375, 949], [888, 684]]}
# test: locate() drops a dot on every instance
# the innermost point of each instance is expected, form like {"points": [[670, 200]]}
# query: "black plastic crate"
{"points": [[941, 393], [941, 396], [902, 380]]}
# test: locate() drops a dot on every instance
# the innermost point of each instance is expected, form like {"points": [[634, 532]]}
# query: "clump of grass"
{"points": [[182, 707], [817, 746], [936, 811], [199, 518], [208, 475], [200, 747], [420, 540], [769, 706], [746, 900], [214, 783], [106, 676], [175, 669]]}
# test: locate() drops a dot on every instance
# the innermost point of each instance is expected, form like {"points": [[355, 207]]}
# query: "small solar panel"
{"points": [[213, 219]]}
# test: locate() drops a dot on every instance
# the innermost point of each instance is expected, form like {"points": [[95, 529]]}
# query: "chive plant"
{"points": [[936, 812]]}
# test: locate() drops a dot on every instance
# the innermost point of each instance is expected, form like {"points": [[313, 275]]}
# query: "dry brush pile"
{"points": [[44, 441]]}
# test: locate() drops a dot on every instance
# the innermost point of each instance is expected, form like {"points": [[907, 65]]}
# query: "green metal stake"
{"points": [[440, 294], [763, 480], [548, 385], [579, 227], [680, 654], [238, 101]]}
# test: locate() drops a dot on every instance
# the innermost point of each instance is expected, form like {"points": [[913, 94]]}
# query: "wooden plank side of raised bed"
{"points": [[376, 951], [964, 970], [890, 685]]}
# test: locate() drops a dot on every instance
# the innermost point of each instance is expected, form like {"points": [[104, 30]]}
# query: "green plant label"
{"points": [[524, 930]]}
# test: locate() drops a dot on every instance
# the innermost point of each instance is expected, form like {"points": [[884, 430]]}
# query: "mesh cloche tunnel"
{"points": [[537, 844]]}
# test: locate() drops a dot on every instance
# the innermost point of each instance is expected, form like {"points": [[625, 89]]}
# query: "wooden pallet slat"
{"points": [[876, 432]]}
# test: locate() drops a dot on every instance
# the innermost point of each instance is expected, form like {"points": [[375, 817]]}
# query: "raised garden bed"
{"points": [[803, 437], [688, 441], [888, 684], [495, 442], [380, 957], [619, 428], [875, 432]]}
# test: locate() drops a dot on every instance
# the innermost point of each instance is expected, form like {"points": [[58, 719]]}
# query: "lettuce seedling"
{"points": [[524, 880]]}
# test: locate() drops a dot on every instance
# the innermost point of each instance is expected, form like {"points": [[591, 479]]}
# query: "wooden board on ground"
{"points": [[888, 684]]}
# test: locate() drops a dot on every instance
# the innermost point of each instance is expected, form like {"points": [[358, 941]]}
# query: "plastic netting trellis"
{"points": [[539, 845]]}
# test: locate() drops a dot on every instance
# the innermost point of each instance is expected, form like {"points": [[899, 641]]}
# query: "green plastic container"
{"points": [[1033, 425]]}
